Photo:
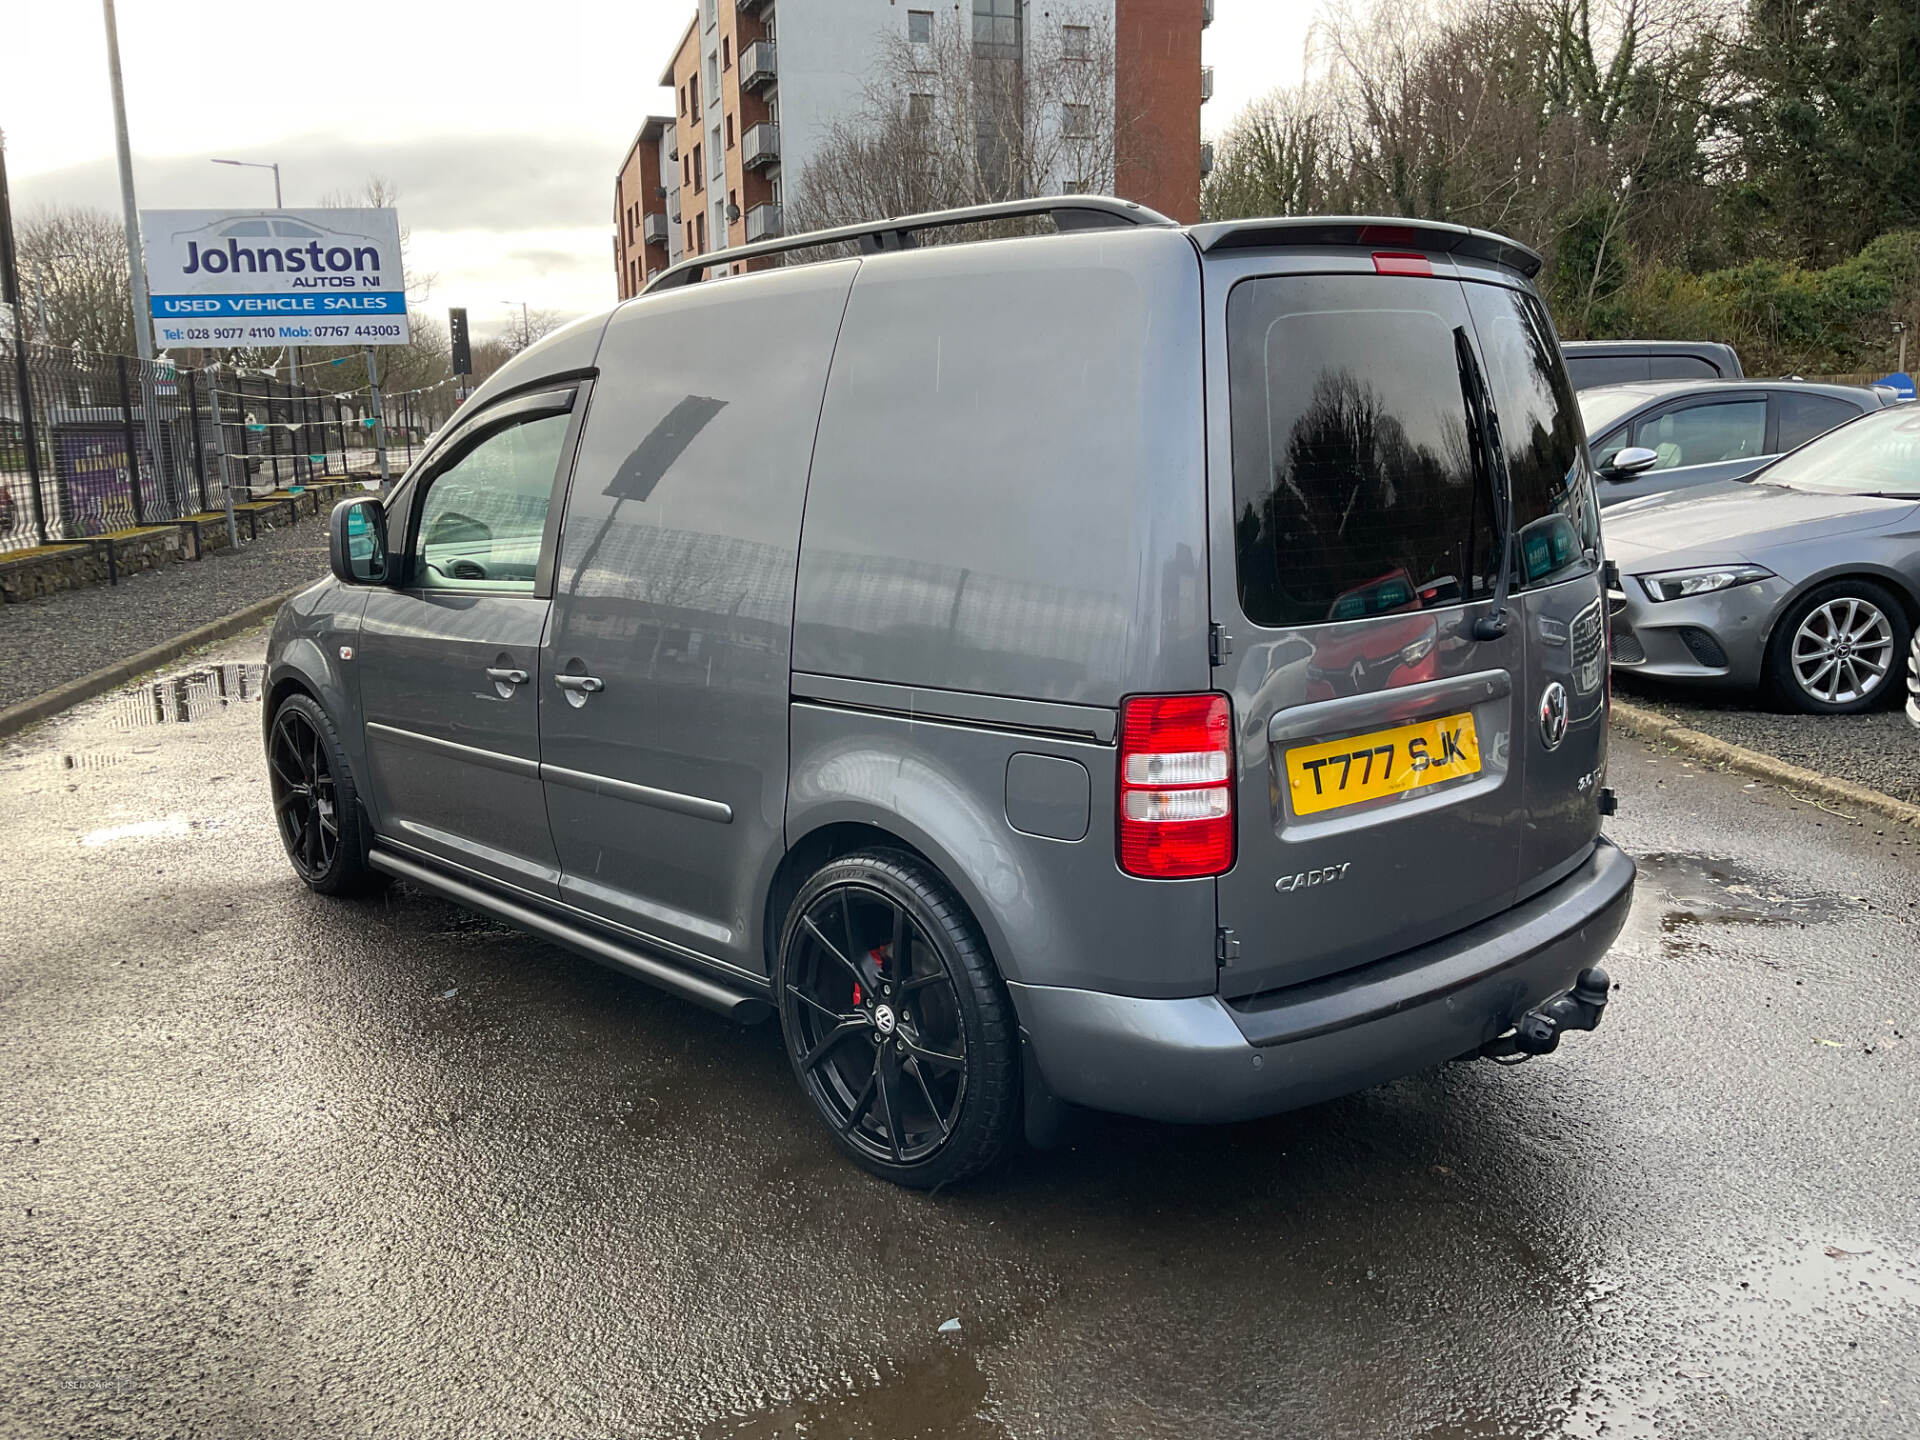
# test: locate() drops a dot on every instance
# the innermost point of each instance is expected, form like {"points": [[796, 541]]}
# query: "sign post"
{"points": [[379, 418], [253, 278]]}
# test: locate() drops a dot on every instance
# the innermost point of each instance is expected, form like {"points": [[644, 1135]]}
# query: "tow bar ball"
{"points": [[1538, 1031]]}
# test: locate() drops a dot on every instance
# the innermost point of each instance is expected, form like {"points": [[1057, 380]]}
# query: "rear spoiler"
{"points": [[1375, 230]]}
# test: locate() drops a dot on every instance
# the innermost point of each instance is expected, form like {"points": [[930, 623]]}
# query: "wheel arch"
{"points": [[1886, 577], [849, 829]]}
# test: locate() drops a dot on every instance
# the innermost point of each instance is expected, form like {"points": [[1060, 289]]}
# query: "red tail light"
{"points": [[1176, 786]]}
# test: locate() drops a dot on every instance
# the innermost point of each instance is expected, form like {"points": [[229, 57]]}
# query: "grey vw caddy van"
{"points": [[1155, 668]]}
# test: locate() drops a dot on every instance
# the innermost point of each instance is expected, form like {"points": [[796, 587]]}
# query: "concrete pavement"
{"points": [[277, 1165]]}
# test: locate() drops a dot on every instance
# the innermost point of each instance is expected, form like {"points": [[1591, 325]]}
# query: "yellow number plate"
{"points": [[1387, 762]]}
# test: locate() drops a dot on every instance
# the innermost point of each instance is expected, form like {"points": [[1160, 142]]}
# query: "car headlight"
{"points": [[1679, 584]]}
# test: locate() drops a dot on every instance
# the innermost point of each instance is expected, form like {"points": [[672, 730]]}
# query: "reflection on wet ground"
{"points": [[188, 696], [1709, 889]]}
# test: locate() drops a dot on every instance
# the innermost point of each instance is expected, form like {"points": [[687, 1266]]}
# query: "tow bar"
{"points": [[1538, 1031]]}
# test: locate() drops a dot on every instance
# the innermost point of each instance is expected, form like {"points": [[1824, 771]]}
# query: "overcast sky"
{"points": [[501, 124]]}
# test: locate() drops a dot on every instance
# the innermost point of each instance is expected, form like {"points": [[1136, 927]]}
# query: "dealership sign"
{"points": [[275, 277]]}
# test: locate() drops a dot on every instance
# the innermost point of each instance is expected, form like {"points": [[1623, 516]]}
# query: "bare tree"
{"points": [[952, 122], [73, 265], [526, 326], [1582, 127]]}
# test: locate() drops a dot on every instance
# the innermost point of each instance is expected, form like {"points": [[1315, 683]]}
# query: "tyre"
{"points": [[1841, 649], [315, 805], [896, 1022]]}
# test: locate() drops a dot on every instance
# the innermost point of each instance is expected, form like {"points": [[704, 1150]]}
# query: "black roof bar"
{"points": [[1382, 230], [1069, 212]]}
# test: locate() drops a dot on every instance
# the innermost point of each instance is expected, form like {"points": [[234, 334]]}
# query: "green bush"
{"points": [[1782, 318]]}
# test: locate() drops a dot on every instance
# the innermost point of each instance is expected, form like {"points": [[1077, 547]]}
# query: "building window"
{"points": [[1076, 42], [920, 27], [683, 99], [693, 96], [996, 28], [920, 109], [729, 132], [1079, 120], [700, 230], [699, 171], [713, 78], [726, 52]]}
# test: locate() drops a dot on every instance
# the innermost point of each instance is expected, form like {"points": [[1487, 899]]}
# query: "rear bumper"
{"points": [[1199, 1059]]}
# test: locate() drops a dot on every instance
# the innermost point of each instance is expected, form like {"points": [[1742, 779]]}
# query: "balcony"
{"points": [[763, 223], [760, 145], [757, 65], [1206, 159], [1206, 83], [653, 227]]}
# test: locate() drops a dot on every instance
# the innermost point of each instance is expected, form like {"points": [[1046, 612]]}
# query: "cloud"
{"points": [[445, 182], [541, 261]]}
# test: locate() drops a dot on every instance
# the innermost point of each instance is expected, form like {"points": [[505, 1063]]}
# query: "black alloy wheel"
{"points": [[315, 804], [896, 1023]]}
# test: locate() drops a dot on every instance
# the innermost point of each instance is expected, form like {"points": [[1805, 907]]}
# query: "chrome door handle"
{"points": [[506, 677], [588, 683]]}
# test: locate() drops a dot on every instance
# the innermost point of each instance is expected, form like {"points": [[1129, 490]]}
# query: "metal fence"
{"points": [[99, 443]]}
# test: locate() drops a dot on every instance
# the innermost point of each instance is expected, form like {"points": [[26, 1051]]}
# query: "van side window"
{"points": [[482, 518], [1354, 477]]}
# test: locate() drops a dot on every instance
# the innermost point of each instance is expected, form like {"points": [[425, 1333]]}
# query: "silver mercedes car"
{"points": [[1804, 578]]}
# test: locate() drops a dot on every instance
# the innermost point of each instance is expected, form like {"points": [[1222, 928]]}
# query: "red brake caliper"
{"points": [[879, 957]]}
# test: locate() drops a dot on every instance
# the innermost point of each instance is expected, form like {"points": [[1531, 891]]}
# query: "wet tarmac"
{"points": [[273, 1165]]}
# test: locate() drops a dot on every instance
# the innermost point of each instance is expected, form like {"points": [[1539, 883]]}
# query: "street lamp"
{"points": [[273, 165]]}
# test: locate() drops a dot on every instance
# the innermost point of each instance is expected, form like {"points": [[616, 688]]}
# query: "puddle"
{"points": [[171, 828], [1712, 890], [942, 1395], [191, 696]]}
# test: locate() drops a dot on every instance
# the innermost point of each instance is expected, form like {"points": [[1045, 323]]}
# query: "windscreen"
{"points": [[1357, 488], [1878, 454], [1600, 408]]}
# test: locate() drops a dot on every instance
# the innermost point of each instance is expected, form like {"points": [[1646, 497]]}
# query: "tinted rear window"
{"points": [[1591, 370], [1681, 367], [1804, 416], [1555, 514], [1354, 476], [1357, 488]]}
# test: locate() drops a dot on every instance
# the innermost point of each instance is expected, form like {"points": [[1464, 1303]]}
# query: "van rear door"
{"points": [[1379, 794]]}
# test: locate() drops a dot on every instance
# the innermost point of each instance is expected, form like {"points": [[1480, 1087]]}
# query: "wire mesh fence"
{"points": [[94, 444]]}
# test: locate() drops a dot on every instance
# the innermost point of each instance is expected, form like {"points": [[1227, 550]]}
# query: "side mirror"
{"points": [[1629, 462], [357, 542]]}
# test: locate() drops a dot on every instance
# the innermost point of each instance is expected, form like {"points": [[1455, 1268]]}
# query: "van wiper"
{"points": [[1473, 389]]}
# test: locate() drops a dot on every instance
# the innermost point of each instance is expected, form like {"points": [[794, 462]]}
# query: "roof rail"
{"points": [[1367, 230], [1069, 212]]}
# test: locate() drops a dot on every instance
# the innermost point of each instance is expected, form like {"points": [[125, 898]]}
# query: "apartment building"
{"points": [[646, 205], [757, 84]]}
